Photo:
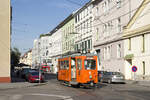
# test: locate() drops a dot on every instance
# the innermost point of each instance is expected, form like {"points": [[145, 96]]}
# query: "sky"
{"points": [[30, 18]]}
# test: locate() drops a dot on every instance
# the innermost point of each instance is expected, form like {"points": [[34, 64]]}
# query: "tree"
{"points": [[15, 56]]}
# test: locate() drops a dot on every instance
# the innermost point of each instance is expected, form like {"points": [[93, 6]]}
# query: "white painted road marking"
{"points": [[60, 96], [16, 97]]}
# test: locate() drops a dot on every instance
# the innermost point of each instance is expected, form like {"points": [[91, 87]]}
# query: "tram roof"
{"points": [[78, 54]]}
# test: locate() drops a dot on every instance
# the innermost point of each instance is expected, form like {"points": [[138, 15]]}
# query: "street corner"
{"points": [[5, 86]]}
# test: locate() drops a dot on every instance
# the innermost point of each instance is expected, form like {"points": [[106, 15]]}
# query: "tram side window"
{"points": [[59, 65], [67, 64], [79, 64], [90, 64], [62, 65]]}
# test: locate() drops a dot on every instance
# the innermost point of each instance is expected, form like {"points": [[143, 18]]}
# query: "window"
{"points": [[129, 44], [85, 45], [104, 7], [91, 6], [76, 19], [67, 64], [90, 64], [104, 29], [109, 1], [119, 24], [90, 24], [105, 53], [143, 67], [99, 55], [118, 2], [89, 44], [109, 52], [143, 43], [61, 65], [97, 36], [79, 64], [97, 11], [119, 51]]}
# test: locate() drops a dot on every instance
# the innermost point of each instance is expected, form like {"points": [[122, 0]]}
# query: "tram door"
{"points": [[79, 68], [73, 69]]}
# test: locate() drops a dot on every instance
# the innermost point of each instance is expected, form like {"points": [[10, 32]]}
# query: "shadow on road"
{"points": [[15, 78], [50, 76]]}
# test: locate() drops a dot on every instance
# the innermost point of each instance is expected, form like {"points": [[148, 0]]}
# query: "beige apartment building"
{"points": [[5, 18]]}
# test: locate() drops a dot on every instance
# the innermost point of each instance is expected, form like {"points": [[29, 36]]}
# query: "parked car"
{"points": [[115, 77], [100, 75], [25, 72], [33, 76]]}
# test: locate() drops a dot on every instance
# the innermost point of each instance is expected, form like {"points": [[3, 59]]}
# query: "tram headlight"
{"points": [[90, 76]]}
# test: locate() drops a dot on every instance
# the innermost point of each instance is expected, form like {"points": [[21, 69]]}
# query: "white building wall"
{"points": [[110, 16], [83, 27], [139, 57], [56, 49], [35, 53]]}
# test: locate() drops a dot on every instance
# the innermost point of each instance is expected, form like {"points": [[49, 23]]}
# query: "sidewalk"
{"points": [[145, 83], [5, 86]]}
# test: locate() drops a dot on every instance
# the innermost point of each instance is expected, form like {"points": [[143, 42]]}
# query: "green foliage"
{"points": [[42, 35], [15, 56]]}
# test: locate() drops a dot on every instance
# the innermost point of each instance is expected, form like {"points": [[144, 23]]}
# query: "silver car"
{"points": [[115, 77]]}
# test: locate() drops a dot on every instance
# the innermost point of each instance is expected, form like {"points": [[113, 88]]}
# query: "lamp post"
{"points": [[39, 61]]}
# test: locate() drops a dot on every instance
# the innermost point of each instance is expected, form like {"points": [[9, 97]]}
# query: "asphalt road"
{"points": [[53, 90]]}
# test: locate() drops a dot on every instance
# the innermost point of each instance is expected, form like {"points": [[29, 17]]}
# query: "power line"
{"points": [[113, 7], [117, 17], [73, 2]]}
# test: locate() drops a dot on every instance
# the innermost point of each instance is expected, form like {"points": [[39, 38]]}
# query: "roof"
{"points": [[78, 54], [137, 26], [137, 13]]}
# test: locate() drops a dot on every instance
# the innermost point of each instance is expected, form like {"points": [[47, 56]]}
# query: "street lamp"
{"points": [[39, 61]]}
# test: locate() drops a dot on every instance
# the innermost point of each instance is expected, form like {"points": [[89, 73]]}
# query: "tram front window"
{"points": [[90, 64]]}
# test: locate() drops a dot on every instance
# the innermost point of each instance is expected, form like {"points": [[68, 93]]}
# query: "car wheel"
{"points": [[109, 81], [30, 81]]}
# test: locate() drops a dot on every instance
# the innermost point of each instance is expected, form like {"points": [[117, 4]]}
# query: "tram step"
{"points": [[73, 82]]}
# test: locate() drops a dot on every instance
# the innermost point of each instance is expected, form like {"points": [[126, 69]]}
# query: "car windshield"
{"points": [[26, 70], [101, 72], [113, 73], [35, 73], [116, 73], [90, 64]]}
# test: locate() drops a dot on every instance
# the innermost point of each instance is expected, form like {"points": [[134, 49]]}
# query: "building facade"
{"points": [[110, 16], [5, 31], [35, 53], [44, 49], [83, 28], [136, 48], [56, 48], [47, 49], [27, 58], [68, 36]]}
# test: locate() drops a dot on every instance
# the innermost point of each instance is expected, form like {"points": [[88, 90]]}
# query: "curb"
{"points": [[18, 87]]}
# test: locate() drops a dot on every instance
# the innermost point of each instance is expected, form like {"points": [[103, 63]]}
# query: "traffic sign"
{"points": [[134, 68]]}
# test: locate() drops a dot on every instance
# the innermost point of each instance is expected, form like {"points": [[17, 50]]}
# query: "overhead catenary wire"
{"points": [[73, 2], [116, 17]]}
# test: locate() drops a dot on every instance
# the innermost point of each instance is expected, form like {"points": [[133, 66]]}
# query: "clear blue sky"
{"points": [[34, 17]]}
